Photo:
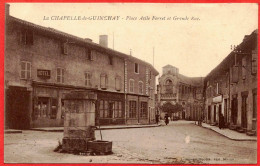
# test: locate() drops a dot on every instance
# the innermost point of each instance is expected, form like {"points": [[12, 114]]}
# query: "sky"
{"points": [[193, 37]]}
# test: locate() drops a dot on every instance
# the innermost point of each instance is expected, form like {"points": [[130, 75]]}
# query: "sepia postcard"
{"points": [[131, 83]]}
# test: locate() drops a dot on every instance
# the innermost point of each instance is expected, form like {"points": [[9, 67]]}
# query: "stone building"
{"points": [[176, 88], [231, 88], [43, 64]]}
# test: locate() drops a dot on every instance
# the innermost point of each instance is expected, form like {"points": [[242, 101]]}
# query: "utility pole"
{"points": [[153, 56]]}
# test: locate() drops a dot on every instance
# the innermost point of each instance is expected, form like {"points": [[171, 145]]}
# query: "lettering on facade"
{"points": [[45, 74]]}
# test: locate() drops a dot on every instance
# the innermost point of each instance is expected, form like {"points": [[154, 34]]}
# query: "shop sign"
{"points": [[217, 99], [46, 74]]}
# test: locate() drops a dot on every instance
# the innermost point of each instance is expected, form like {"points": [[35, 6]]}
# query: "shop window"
{"points": [[143, 110], [118, 109], [54, 108], [136, 68], [103, 81], [60, 75], [118, 83], [103, 109], [110, 109], [131, 85], [132, 109], [140, 87], [26, 37], [88, 79], [25, 70]]}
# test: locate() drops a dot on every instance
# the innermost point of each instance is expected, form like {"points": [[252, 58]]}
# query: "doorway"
{"points": [[244, 112], [234, 111], [17, 110]]}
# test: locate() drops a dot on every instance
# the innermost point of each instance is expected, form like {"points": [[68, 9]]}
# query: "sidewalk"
{"points": [[60, 129], [234, 135], [12, 131]]}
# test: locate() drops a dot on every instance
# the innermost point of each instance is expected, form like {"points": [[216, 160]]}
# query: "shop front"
{"points": [[110, 108]]}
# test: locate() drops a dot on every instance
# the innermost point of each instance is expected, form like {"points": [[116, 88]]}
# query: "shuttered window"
{"points": [[25, 70]]}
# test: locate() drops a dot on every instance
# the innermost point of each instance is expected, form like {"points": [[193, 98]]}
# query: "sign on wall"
{"points": [[45, 74]]}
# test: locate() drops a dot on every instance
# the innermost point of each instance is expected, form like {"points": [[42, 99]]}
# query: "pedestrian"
{"points": [[157, 118], [221, 121], [166, 118]]}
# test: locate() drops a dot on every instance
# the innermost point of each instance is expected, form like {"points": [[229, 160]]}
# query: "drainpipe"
{"points": [[125, 90]]}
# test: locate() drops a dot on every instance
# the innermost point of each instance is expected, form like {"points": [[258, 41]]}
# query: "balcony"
{"points": [[168, 96]]}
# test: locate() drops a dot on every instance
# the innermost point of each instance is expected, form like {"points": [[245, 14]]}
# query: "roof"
{"points": [[60, 34], [195, 81], [248, 43], [169, 66]]}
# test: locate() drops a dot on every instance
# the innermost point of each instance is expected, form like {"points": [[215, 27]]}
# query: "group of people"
{"points": [[166, 118]]}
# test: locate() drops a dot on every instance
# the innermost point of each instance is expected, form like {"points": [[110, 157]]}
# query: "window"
{"points": [[92, 55], [118, 83], [65, 48], [110, 58], [88, 53], [60, 75], [25, 70], [140, 87], [244, 68], [103, 81], [110, 109], [132, 109], [254, 62], [143, 110], [169, 86], [103, 109], [131, 85], [26, 37], [88, 79], [118, 109], [136, 68]]}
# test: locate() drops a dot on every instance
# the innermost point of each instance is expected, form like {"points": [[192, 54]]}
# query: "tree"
{"points": [[170, 108]]}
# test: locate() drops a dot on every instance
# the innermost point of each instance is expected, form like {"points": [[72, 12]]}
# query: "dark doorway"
{"points": [[17, 108], [183, 115], [234, 111], [209, 113], [219, 111], [244, 112], [215, 113], [225, 111]]}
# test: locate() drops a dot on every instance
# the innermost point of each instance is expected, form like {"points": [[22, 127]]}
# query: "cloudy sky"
{"points": [[195, 46]]}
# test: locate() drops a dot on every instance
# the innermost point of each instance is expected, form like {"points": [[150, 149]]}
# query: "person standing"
{"points": [[166, 118]]}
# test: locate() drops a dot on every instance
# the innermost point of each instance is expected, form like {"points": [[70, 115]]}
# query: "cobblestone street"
{"points": [[179, 142]]}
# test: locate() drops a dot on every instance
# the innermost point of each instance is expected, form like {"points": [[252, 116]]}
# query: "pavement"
{"points": [[231, 134], [180, 142], [12, 131], [61, 129]]}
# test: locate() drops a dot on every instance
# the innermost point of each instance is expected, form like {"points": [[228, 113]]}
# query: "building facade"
{"points": [[231, 88], [176, 88], [43, 64]]}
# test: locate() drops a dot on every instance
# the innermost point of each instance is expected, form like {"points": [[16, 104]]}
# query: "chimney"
{"points": [[103, 40], [7, 9], [88, 39]]}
